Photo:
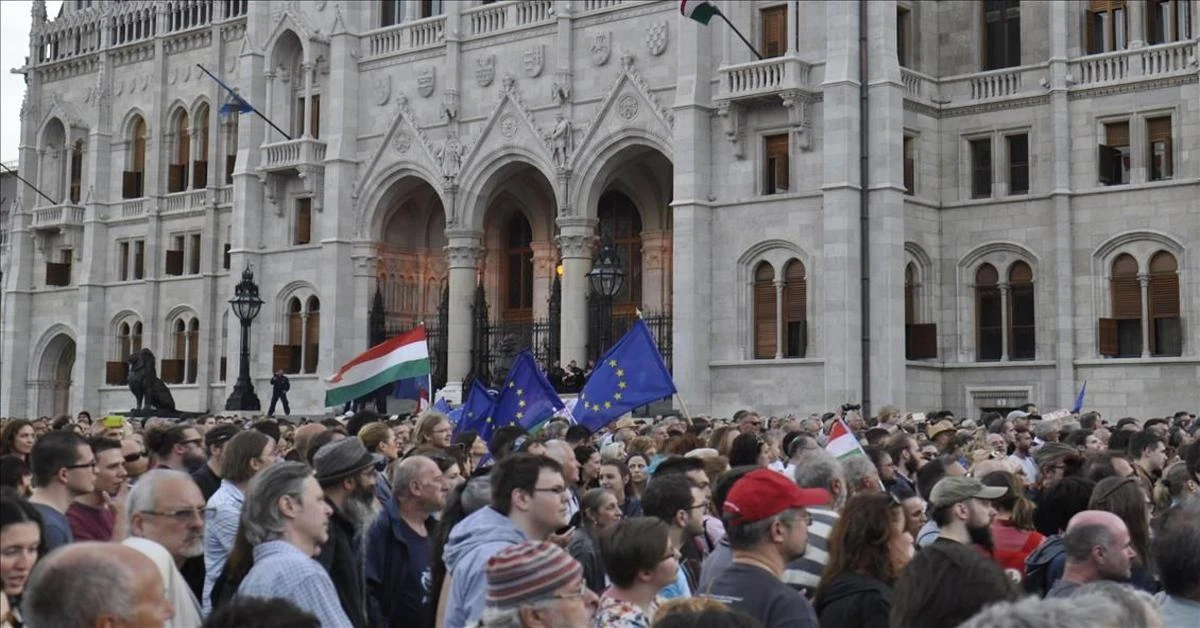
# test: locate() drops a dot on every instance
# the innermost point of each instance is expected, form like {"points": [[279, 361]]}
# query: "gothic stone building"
{"points": [[992, 205]]}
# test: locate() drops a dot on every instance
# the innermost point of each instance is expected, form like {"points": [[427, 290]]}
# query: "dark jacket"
{"points": [[1045, 565], [852, 601], [585, 549], [341, 558], [387, 572], [280, 384]]}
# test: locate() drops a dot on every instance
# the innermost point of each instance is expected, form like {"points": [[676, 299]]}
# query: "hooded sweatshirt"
{"points": [[852, 601], [472, 542]]}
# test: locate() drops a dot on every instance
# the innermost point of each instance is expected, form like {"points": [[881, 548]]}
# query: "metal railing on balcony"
{"points": [[56, 216], [413, 35], [765, 77], [289, 154]]}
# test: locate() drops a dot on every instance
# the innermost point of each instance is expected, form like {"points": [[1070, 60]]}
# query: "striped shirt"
{"points": [[219, 533], [804, 573], [282, 570]]}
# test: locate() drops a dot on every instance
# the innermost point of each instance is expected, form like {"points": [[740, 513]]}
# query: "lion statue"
{"points": [[145, 384]]}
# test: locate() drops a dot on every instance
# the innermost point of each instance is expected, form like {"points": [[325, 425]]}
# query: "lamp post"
{"points": [[245, 304], [607, 278]]}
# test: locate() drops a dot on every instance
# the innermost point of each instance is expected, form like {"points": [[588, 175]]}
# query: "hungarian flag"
{"points": [[699, 10], [404, 356], [842, 443]]}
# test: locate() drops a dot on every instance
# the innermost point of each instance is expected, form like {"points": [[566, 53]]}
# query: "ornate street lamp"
{"points": [[607, 277], [245, 304]]}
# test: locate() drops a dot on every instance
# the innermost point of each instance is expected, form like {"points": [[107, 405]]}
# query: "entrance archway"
{"points": [[519, 251], [54, 377], [411, 265]]}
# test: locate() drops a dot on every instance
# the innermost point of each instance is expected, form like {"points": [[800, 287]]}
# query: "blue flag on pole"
{"points": [[630, 374], [235, 103], [527, 398], [476, 411], [441, 406], [1079, 399]]}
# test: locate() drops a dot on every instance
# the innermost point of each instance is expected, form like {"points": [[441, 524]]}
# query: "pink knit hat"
{"points": [[527, 572]]}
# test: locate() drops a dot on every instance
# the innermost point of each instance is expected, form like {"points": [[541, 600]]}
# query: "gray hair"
{"points": [[477, 494], [817, 468], [507, 617], [405, 473], [555, 430], [1080, 611], [857, 469], [1079, 541], [75, 590], [1137, 607], [261, 519], [746, 536], [144, 495], [559, 450]]}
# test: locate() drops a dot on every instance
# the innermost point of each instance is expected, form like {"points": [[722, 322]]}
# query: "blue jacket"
{"points": [[392, 599], [472, 542]]}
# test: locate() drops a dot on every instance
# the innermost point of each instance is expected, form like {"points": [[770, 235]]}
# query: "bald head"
{"points": [[1101, 518], [303, 437], [1098, 547], [409, 470], [92, 584]]}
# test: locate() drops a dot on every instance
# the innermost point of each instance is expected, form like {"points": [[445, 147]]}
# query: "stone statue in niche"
{"points": [[450, 156], [560, 141]]}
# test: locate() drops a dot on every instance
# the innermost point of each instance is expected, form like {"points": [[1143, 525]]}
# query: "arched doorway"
{"points": [[410, 253], [54, 377]]}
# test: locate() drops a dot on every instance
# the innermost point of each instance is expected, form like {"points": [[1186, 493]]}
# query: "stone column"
{"points": [[792, 12], [576, 244], [779, 283], [1137, 26], [463, 250], [1144, 283], [544, 262], [1003, 322], [656, 270], [1060, 24], [308, 69]]}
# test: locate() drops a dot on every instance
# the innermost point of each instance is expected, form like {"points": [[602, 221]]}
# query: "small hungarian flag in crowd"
{"points": [[842, 443], [404, 356], [698, 10]]}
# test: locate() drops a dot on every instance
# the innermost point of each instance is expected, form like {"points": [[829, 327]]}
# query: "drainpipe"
{"points": [[864, 208]]}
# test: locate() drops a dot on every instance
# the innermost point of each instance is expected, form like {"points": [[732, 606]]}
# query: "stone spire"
{"points": [[39, 11]]}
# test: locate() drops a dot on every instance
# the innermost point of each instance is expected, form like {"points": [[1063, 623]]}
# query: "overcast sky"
{"points": [[14, 47]]}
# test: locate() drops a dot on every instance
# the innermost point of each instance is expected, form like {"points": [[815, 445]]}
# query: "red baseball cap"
{"points": [[764, 493]]}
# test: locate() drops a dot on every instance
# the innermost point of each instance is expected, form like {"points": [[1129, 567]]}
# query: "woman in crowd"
{"points": [[474, 449], [600, 512], [589, 466], [1124, 498], [722, 439], [613, 451], [1176, 486], [913, 507], [1013, 530], [749, 449], [451, 468], [640, 559], [15, 474], [434, 429], [17, 439], [636, 463], [20, 547], [614, 476], [701, 612], [868, 548], [380, 441], [643, 445]]}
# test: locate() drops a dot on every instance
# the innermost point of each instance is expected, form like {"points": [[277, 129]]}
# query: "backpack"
{"points": [[1040, 566]]}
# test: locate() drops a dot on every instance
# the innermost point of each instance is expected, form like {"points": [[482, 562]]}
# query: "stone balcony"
{"points": [[57, 217], [763, 80], [1122, 66], [298, 155]]}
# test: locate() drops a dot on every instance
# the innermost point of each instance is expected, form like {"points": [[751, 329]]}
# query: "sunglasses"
{"points": [[132, 458]]}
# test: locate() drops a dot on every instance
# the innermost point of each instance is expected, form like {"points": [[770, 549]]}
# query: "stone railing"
{"points": [[990, 85], [596, 5], [916, 84], [76, 33], [225, 195], [767, 77], [56, 216], [292, 153], [133, 207], [184, 201], [493, 18], [534, 12], [185, 14], [1139, 63], [413, 35]]}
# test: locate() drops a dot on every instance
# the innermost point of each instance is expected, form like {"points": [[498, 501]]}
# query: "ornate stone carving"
{"points": [[799, 115], [561, 142], [533, 60], [560, 90], [627, 107], [627, 60], [381, 89], [576, 244], [508, 126], [426, 81], [450, 157], [731, 123], [462, 253], [485, 70], [402, 142], [601, 48], [656, 38], [449, 110]]}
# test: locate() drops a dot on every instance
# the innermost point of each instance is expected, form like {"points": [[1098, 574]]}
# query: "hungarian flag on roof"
{"points": [[698, 10], [842, 443], [404, 356]]}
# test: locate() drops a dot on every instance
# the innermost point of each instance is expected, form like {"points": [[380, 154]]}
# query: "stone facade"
{"points": [[409, 155]]}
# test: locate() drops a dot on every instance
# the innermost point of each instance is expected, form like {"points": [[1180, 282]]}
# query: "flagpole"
{"points": [[255, 109], [739, 34], [32, 186], [687, 415]]}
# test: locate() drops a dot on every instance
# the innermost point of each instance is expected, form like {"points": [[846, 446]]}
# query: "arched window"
{"points": [[795, 310], [124, 342], [133, 179], [200, 154], [1021, 319], [312, 334], [52, 159], [298, 353], [920, 338], [1126, 309], [910, 294], [222, 361], [231, 148], [192, 351], [765, 313], [135, 337], [128, 342], [177, 171], [1166, 334], [989, 318], [621, 224], [518, 269], [76, 170], [182, 366]]}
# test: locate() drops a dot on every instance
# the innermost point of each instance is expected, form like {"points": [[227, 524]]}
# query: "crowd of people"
{"points": [[364, 520]]}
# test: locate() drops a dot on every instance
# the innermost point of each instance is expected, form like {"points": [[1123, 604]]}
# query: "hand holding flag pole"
{"points": [[236, 102], [702, 11]]}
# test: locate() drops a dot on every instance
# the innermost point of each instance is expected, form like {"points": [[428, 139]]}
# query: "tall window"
{"points": [[200, 154], [518, 269], [303, 231], [1115, 154], [1126, 336], [910, 165], [1021, 320], [989, 318], [1018, 164], [1158, 132], [1166, 334], [765, 319], [133, 180], [1168, 20], [177, 171], [298, 353], [123, 261], [1107, 26], [312, 334], [390, 12], [920, 339], [794, 307], [777, 165], [181, 367], [904, 36], [1002, 34], [621, 224], [231, 147], [430, 8], [129, 341], [981, 168], [774, 31], [76, 170]]}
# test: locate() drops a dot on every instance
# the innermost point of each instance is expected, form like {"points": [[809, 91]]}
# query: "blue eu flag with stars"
{"points": [[630, 374], [475, 412], [527, 398]]}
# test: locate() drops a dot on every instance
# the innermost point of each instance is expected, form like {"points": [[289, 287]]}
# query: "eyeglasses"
{"points": [[704, 505], [132, 458], [184, 515], [82, 465]]}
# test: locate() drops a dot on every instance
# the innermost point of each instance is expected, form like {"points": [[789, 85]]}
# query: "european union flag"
{"points": [[476, 412], [441, 406], [630, 374], [527, 398], [415, 388], [1079, 399]]}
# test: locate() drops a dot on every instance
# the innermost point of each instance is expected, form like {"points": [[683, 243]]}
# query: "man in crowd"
{"points": [[963, 510], [1098, 548], [817, 469], [346, 473], [179, 447], [64, 469], [1177, 558], [96, 585], [564, 455], [536, 584], [245, 455], [286, 520], [398, 545], [279, 390], [529, 502], [1051, 459], [100, 515], [167, 507], [680, 504], [767, 526], [1148, 453], [861, 475], [208, 476], [907, 457], [1022, 455], [137, 459], [749, 422]]}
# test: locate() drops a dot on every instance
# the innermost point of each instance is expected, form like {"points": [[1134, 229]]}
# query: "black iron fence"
{"points": [[659, 324]]}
